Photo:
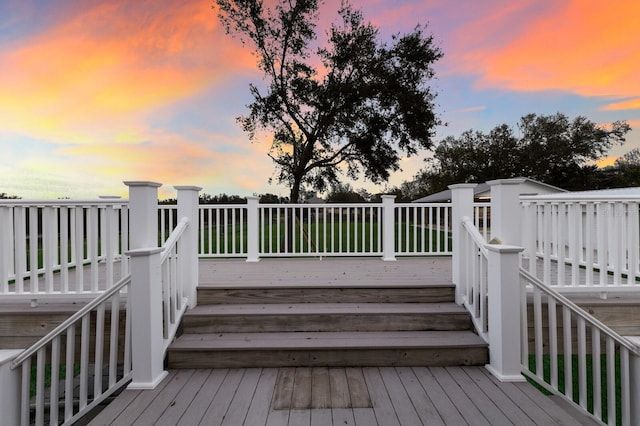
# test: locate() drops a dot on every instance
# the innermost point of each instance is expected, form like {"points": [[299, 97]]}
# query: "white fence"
{"points": [[107, 344], [474, 279], [294, 230], [70, 371], [62, 247], [569, 352], [571, 245], [584, 243]]}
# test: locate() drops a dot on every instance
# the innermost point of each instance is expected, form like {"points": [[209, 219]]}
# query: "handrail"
{"points": [[63, 202], [475, 234], [580, 312], [173, 238], [73, 318]]}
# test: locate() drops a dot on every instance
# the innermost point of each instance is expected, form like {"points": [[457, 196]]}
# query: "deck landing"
{"points": [[336, 396]]}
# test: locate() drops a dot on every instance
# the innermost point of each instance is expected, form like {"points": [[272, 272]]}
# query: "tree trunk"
{"points": [[294, 198]]}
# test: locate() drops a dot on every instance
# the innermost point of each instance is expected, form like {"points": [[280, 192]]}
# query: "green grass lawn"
{"points": [[322, 237], [62, 374]]}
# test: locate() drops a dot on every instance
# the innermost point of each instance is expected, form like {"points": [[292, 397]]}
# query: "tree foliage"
{"points": [[353, 105], [344, 193], [5, 196], [550, 148]]}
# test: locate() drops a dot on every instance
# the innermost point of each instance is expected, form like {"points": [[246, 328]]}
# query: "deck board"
{"points": [[441, 401], [165, 399], [382, 405], [460, 399], [398, 396], [219, 406], [479, 398], [195, 412], [404, 408], [500, 399], [238, 408], [180, 404], [421, 402], [261, 401], [301, 398]]}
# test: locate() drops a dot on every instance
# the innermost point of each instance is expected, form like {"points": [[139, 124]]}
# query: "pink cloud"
{"points": [[580, 46]]}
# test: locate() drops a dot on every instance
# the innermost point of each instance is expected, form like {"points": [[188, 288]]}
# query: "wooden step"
{"points": [[327, 293], [333, 349], [253, 318]]}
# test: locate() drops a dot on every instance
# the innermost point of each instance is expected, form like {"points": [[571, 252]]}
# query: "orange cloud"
{"points": [[624, 105], [111, 65], [582, 46], [606, 161]]}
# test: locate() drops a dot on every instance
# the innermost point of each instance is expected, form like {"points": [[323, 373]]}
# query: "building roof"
{"points": [[633, 191], [482, 190]]}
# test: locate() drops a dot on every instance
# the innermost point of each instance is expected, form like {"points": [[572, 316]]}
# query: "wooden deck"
{"points": [[334, 396], [337, 396], [343, 272]]}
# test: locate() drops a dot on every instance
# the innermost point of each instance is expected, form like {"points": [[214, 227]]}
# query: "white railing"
{"points": [[475, 277], [482, 219], [583, 243], [423, 229], [174, 300], [167, 220], [222, 230], [290, 230], [571, 353], [62, 247], [547, 337], [70, 371], [320, 229]]}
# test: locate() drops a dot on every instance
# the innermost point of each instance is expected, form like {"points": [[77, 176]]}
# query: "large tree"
{"points": [[550, 148], [352, 104]]}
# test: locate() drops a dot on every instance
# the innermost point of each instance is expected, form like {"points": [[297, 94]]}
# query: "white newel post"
{"points": [[147, 356], [504, 312], [252, 229], [461, 206], [143, 214], [188, 199], [388, 228], [10, 387], [506, 213]]}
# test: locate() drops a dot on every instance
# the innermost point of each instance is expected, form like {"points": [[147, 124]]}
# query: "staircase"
{"points": [[321, 325]]}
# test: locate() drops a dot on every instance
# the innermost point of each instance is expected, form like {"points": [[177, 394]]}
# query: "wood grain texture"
{"points": [[301, 399], [459, 395], [261, 401], [320, 389], [284, 389]]}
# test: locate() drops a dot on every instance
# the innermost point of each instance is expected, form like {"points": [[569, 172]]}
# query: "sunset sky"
{"points": [[93, 92]]}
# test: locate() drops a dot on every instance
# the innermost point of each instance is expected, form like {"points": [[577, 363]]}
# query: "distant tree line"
{"points": [[230, 199], [5, 196], [552, 149]]}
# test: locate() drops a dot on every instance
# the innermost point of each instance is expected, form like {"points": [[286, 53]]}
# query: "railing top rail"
{"points": [[219, 206], [579, 311], [72, 319], [579, 198], [65, 202], [318, 205], [475, 234], [423, 204], [173, 238]]}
